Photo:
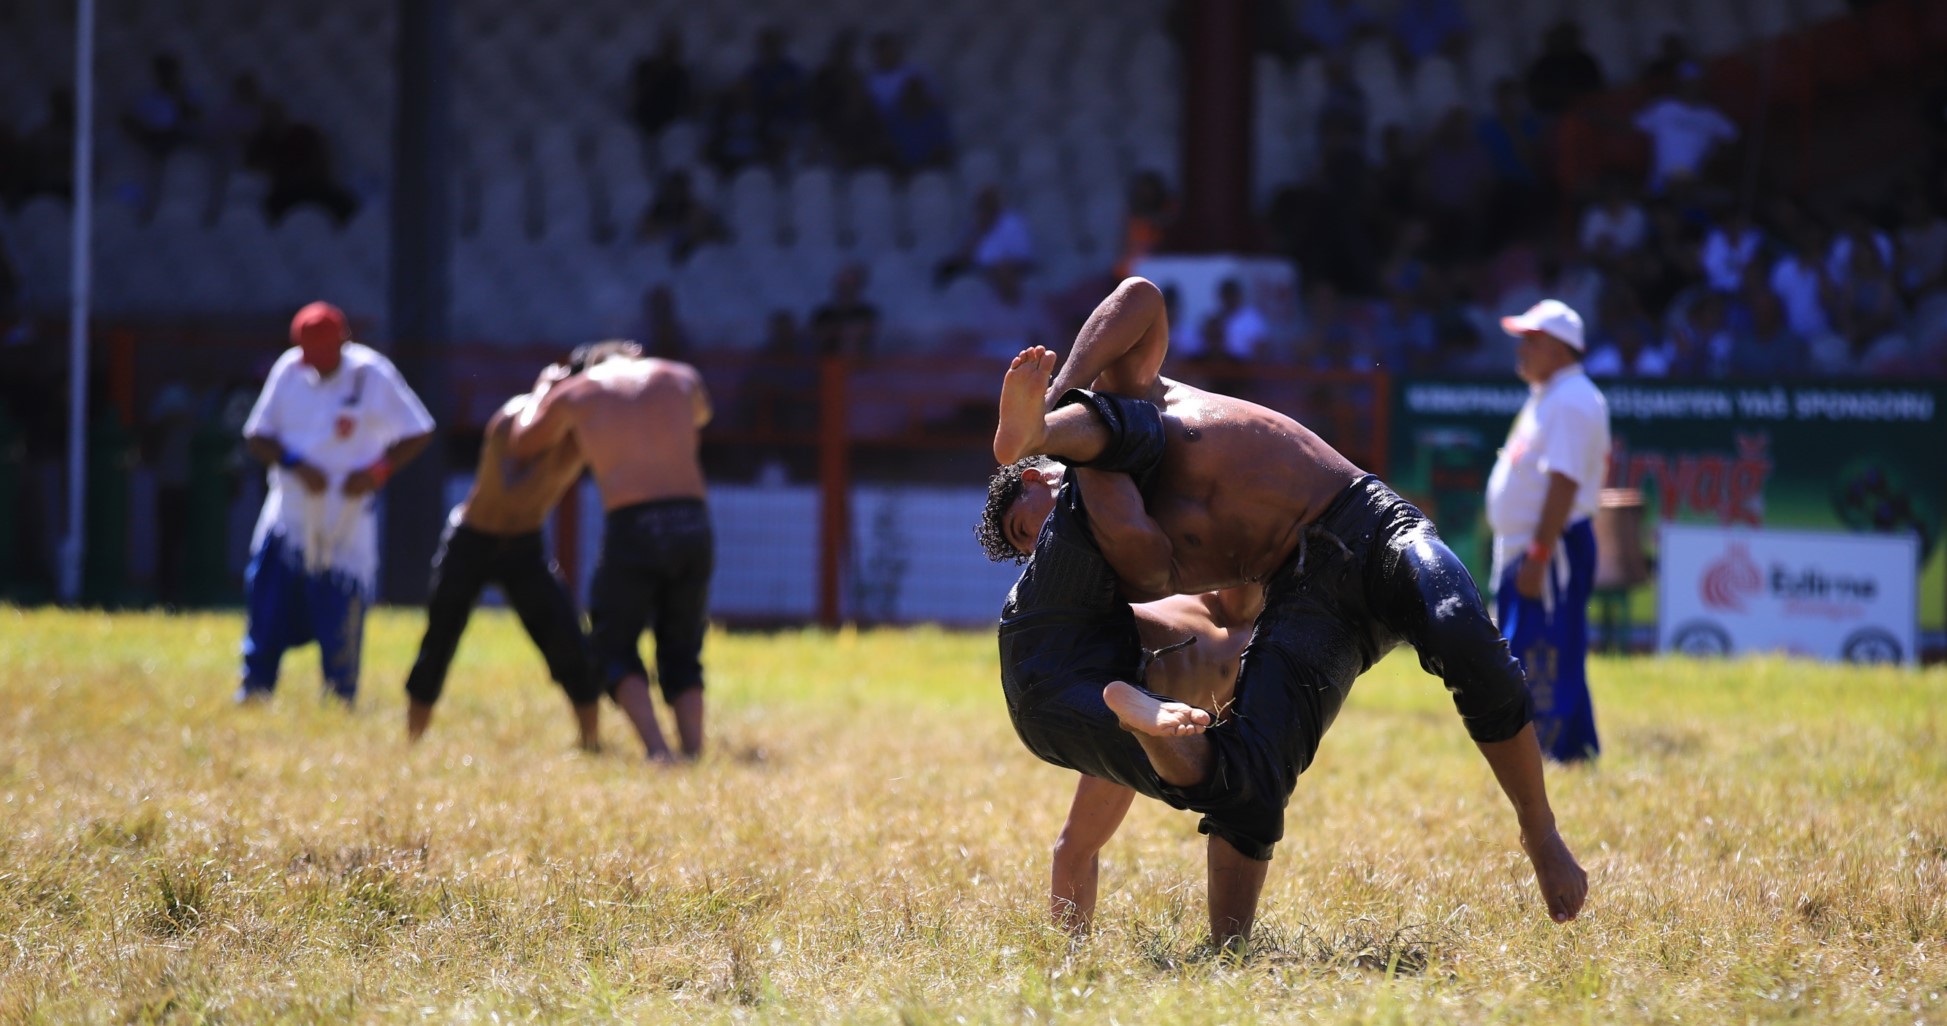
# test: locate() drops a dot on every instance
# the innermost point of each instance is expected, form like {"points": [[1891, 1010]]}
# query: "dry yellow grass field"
{"points": [[867, 842]]}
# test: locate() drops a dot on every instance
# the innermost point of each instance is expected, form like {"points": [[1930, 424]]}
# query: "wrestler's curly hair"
{"points": [[1002, 489], [586, 356]]}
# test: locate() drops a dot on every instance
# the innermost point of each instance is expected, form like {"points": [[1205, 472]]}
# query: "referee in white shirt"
{"points": [[1540, 501], [333, 423]]}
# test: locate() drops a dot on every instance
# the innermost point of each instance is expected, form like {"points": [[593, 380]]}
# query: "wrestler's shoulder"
{"points": [[656, 366], [1188, 402]]}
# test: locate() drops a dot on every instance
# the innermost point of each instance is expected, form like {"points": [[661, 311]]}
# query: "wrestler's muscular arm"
{"points": [[1517, 767], [1555, 509], [1131, 541], [1093, 817], [514, 474], [1121, 347], [546, 421]]}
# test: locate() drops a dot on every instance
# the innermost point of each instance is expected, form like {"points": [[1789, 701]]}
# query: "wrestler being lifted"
{"points": [[1242, 494]]}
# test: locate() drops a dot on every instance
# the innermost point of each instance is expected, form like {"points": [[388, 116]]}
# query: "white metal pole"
{"points": [[80, 269]]}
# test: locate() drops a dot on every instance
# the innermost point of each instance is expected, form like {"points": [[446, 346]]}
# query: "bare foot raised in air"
{"points": [[1144, 714], [1024, 420], [1563, 883]]}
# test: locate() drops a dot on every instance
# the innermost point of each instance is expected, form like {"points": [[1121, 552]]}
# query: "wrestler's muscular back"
{"points": [[637, 422], [507, 498], [1237, 485]]}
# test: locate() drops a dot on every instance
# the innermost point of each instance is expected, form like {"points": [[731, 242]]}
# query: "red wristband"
{"points": [[1539, 553], [380, 471]]}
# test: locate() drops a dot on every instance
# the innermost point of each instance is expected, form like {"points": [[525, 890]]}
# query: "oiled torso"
{"points": [[1237, 483], [508, 498]]}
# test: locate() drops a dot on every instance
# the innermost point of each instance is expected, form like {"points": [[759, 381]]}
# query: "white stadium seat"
{"points": [[751, 207], [42, 233], [1615, 46], [679, 145], [932, 216], [870, 225], [1434, 88], [1038, 167], [813, 213], [1768, 18], [1810, 11], [978, 169], [1717, 27]]}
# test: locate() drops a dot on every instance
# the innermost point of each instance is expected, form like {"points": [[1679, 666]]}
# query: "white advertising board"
{"points": [[1826, 595]]}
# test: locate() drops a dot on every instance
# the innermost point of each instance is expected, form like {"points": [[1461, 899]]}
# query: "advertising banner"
{"points": [[1827, 595], [1862, 458]]}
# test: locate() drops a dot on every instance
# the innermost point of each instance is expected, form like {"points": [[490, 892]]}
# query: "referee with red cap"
{"points": [[334, 422]]}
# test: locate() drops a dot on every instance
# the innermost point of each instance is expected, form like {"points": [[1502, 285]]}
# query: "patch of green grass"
{"points": [[868, 841]]}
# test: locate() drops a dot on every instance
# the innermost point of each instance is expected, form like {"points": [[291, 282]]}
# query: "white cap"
{"points": [[1550, 317]]}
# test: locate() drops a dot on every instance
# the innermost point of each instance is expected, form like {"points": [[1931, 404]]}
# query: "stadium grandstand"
{"points": [[844, 212]]}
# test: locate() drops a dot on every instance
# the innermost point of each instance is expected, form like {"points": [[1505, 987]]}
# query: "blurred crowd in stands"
{"points": [[1408, 246], [1700, 269], [1407, 251], [888, 114], [243, 131]]}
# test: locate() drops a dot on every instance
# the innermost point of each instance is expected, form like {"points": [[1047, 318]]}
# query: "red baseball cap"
{"points": [[319, 324]]}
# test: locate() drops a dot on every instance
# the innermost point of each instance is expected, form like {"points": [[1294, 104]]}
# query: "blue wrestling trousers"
{"points": [[290, 606], [1550, 636]]}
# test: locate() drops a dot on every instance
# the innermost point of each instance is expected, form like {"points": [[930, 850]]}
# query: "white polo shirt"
{"points": [[1244, 333], [1682, 134], [1562, 429], [338, 424]]}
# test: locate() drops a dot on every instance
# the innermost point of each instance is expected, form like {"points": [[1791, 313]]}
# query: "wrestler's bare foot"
{"points": [[1146, 715], [1024, 418], [1563, 883]]}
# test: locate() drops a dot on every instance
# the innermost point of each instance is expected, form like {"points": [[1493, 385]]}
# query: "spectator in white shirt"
{"points": [[1799, 278], [997, 236], [1615, 225], [1629, 352], [1728, 250], [1683, 131], [890, 71], [1858, 230], [1869, 315], [1235, 331]]}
